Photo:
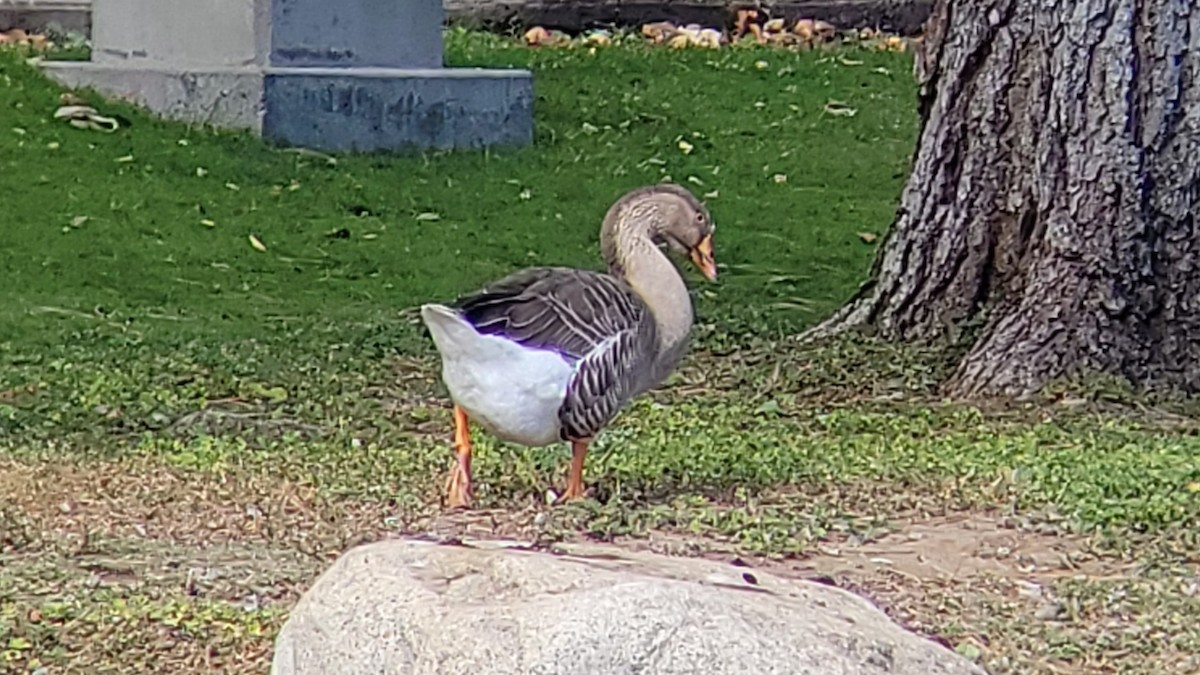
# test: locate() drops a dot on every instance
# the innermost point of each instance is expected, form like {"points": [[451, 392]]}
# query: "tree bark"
{"points": [[1049, 222]]}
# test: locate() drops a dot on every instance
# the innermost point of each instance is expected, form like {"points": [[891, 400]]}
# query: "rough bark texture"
{"points": [[901, 16], [1053, 198]]}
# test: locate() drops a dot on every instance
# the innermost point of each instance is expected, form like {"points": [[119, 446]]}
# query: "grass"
{"points": [[164, 249], [173, 400]]}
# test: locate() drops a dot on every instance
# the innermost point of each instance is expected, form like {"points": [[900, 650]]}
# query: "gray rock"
{"points": [[400, 607]]}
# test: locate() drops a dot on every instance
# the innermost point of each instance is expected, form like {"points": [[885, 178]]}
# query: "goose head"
{"points": [[671, 217]]}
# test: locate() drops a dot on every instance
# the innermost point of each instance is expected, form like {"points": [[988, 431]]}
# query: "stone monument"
{"points": [[351, 75]]}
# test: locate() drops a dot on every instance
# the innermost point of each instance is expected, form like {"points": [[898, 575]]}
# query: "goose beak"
{"points": [[702, 258]]}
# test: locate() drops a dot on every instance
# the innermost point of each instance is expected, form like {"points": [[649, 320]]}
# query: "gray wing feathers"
{"points": [[605, 380], [567, 310]]}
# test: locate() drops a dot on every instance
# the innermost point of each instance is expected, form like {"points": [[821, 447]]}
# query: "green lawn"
{"points": [[164, 253], [162, 380]]}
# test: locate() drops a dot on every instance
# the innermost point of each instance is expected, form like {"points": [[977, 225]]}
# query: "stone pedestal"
{"points": [[346, 75]]}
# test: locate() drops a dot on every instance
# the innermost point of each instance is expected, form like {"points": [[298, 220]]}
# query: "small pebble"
{"points": [[1049, 611]]}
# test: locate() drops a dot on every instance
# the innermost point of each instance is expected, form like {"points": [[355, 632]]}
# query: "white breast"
{"points": [[512, 391]]}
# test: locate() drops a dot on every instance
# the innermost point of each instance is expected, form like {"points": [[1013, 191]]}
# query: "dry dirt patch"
{"points": [[198, 570]]}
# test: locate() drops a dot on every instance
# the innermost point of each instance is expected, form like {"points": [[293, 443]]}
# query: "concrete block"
{"points": [[194, 33], [362, 33], [222, 97], [364, 109], [55, 16], [345, 75]]}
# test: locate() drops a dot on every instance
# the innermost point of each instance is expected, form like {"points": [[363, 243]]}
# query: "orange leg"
{"points": [[458, 486], [575, 488]]}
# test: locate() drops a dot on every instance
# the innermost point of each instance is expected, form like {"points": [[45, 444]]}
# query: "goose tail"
{"points": [[447, 327]]}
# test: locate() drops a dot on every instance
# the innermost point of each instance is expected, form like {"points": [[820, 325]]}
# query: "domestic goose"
{"points": [[552, 354]]}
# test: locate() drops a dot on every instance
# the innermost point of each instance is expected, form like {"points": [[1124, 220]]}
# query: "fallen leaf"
{"points": [[770, 406], [659, 31], [257, 244], [849, 62], [208, 223], [805, 28], [86, 117], [78, 221], [868, 237], [428, 215], [599, 37], [839, 109], [306, 152], [686, 147], [780, 178], [679, 41]]}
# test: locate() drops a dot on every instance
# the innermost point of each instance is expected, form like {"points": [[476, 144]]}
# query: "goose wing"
{"points": [[592, 319], [570, 311]]}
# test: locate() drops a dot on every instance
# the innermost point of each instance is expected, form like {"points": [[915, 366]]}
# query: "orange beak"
{"points": [[702, 258]]}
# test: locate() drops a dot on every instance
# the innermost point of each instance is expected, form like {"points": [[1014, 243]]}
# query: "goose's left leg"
{"points": [[575, 488], [458, 485]]}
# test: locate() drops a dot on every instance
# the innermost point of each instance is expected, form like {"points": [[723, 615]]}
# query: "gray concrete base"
{"points": [[367, 109], [222, 97], [336, 109], [56, 16]]}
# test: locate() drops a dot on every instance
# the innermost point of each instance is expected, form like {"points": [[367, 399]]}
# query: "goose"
{"points": [[551, 354]]}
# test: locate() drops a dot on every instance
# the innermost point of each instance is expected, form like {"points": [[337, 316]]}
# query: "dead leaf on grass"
{"points": [[868, 237], [305, 152], [257, 244], [839, 109], [86, 117]]}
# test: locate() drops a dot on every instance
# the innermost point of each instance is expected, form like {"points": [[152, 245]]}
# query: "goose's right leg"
{"points": [[458, 486]]}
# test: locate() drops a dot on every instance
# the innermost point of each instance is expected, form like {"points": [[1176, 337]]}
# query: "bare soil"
{"points": [[135, 531]]}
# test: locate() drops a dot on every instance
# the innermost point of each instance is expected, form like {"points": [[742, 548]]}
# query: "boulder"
{"points": [[401, 607]]}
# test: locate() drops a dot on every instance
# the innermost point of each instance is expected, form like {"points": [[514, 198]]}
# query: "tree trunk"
{"points": [[1050, 218]]}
